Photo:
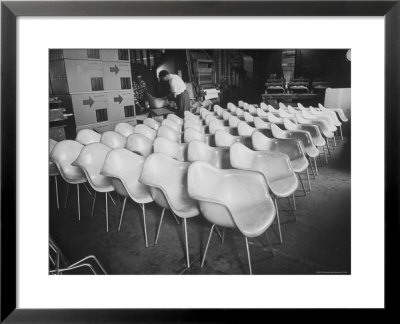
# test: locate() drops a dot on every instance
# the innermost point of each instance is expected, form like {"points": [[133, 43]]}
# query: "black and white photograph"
{"points": [[200, 161]]}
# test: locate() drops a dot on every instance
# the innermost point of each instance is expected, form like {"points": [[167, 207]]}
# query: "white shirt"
{"points": [[176, 84]]}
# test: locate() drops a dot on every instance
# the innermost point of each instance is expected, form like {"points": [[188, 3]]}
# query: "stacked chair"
{"points": [[229, 165]]}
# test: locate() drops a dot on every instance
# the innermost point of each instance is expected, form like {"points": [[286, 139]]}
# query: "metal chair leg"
{"points": [[122, 214], [294, 202], [176, 218], [208, 242], [341, 134], [111, 198], [55, 179], [93, 204], [334, 141], [223, 236], [301, 181], [293, 210], [187, 245], [311, 166], [66, 196], [79, 205], [106, 211], [159, 225], [327, 146], [279, 222], [248, 254], [144, 225], [87, 189], [269, 243], [326, 157], [308, 178], [315, 163]]}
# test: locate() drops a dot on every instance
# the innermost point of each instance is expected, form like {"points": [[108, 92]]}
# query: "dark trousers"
{"points": [[182, 103]]}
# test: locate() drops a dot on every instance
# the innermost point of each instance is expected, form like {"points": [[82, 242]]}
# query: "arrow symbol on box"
{"points": [[114, 69], [89, 102], [118, 99]]}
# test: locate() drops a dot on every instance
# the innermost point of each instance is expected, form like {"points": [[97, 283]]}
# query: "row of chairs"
{"points": [[163, 173]]}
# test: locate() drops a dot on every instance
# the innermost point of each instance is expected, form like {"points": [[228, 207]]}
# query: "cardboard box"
{"points": [[113, 55], [79, 74], [117, 101], [85, 106], [113, 72]]}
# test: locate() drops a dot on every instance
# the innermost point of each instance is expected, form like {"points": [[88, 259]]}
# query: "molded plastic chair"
{"points": [[272, 109], [332, 114], [291, 110], [305, 139], [327, 119], [194, 124], [216, 156], [219, 110], [191, 134], [226, 115], [291, 147], [113, 139], [316, 136], [189, 115], [339, 111], [274, 166], [261, 113], [234, 121], [224, 139], [248, 117], [53, 171], [322, 125], [167, 179], [241, 103], [91, 160], [150, 122], [173, 149], [274, 119], [168, 132], [261, 123], [303, 136], [264, 106], [244, 129], [87, 136], [124, 129], [139, 144], [170, 123], [252, 110], [231, 107], [232, 199], [218, 124], [176, 119], [146, 131], [239, 112], [209, 118], [284, 114], [63, 155], [124, 167]]}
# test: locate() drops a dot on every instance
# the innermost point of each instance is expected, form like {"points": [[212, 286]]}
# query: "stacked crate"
{"points": [[95, 85]]}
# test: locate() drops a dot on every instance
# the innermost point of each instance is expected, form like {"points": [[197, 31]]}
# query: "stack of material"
{"points": [[95, 85]]}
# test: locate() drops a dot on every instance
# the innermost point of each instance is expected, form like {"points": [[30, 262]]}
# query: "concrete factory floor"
{"points": [[318, 242]]}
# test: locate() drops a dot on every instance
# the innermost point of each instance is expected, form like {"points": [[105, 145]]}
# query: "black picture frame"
{"points": [[10, 10]]}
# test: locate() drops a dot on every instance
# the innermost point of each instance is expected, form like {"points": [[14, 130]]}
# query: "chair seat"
{"points": [[283, 187], [262, 211], [300, 164]]}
